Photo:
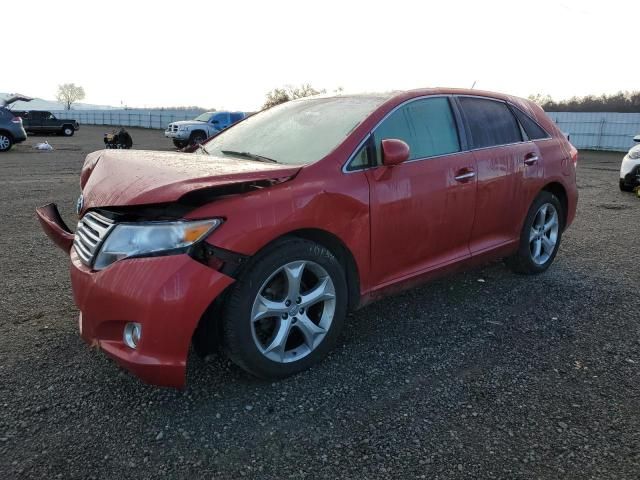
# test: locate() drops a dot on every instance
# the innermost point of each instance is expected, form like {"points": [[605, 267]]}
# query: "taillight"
{"points": [[16, 120], [574, 157]]}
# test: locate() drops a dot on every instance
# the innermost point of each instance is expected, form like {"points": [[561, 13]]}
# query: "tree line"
{"points": [[622, 102]]}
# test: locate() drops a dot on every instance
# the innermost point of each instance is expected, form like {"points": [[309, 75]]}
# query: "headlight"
{"points": [[142, 239], [183, 127], [634, 153]]}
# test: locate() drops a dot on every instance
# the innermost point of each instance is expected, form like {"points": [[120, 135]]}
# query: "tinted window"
{"points": [[5, 113], [531, 128], [236, 117], [427, 126], [222, 118], [490, 122]]}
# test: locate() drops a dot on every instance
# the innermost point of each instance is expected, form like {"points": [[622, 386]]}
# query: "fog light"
{"points": [[132, 334]]}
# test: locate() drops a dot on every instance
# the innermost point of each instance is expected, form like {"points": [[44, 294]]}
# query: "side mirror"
{"points": [[636, 138], [394, 152]]}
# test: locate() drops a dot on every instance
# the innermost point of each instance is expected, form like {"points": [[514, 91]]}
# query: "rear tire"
{"points": [[286, 311], [624, 187], [540, 236], [68, 131], [6, 142]]}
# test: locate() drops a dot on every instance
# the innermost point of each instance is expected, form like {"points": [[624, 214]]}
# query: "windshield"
{"points": [[297, 132], [204, 117]]}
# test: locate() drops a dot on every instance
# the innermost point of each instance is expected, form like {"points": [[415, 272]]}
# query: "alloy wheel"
{"points": [[293, 311], [5, 143], [543, 235]]}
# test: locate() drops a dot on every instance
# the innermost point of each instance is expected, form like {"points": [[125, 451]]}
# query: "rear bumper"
{"points": [[630, 171], [19, 135], [166, 295]]}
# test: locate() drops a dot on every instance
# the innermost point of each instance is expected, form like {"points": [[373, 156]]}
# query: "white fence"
{"points": [[128, 118], [598, 131]]}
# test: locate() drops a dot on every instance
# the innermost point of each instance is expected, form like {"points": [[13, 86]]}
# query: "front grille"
{"points": [[92, 231]]}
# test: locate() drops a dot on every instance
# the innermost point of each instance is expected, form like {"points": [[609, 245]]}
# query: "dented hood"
{"points": [[140, 177]]}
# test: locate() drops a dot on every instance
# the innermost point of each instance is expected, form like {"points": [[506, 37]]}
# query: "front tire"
{"points": [[540, 236], [197, 138], [68, 131], [6, 142], [180, 144], [286, 311]]}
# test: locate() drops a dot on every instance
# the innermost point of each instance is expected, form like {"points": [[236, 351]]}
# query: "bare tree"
{"points": [[69, 93], [282, 95], [617, 102]]}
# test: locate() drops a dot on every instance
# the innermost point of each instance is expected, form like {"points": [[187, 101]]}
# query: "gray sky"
{"points": [[228, 54]]}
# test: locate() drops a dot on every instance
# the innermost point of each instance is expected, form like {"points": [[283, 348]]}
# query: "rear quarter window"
{"points": [[530, 127], [490, 122]]}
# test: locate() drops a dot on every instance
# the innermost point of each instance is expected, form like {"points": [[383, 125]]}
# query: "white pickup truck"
{"points": [[193, 132]]}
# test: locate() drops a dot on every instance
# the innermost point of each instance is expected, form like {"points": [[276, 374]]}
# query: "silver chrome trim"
{"points": [[91, 233], [464, 176]]}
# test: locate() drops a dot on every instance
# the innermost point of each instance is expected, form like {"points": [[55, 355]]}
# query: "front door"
{"points": [[421, 210]]}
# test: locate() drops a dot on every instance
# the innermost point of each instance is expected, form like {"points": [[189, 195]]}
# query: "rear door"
{"points": [[421, 210], [504, 160]]}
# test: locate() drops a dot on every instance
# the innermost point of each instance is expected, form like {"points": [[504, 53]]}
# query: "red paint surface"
{"points": [[402, 224], [51, 223], [167, 295], [136, 177]]}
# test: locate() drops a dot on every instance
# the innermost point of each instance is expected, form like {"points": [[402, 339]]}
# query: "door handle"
{"points": [[531, 159], [463, 177]]}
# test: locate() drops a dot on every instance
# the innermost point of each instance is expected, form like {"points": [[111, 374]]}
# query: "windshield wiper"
{"points": [[249, 155]]}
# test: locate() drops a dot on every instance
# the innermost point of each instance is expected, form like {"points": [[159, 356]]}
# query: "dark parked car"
{"points": [[11, 128], [282, 223], [40, 121]]}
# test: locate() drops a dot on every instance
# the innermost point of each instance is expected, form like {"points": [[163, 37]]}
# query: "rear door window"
{"points": [[530, 127], [426, 125], [491, 122]]}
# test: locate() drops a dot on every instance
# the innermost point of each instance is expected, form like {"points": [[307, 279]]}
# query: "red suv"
{"points": [[266, 237]]}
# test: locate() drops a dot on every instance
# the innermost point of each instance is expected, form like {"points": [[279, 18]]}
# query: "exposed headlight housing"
{"points": [[128, 240], [183, 127], [634, 153]]}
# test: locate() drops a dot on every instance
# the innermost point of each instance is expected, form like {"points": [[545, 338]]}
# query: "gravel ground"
{"points": [[481, 375]]}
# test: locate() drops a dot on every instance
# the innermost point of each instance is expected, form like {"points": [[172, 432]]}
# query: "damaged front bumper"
{"points": [[166, 295]]}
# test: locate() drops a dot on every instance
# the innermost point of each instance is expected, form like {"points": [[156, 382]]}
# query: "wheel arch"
{"points": [[207, 336], [8, 134], [341, 252], [557, 189]]}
